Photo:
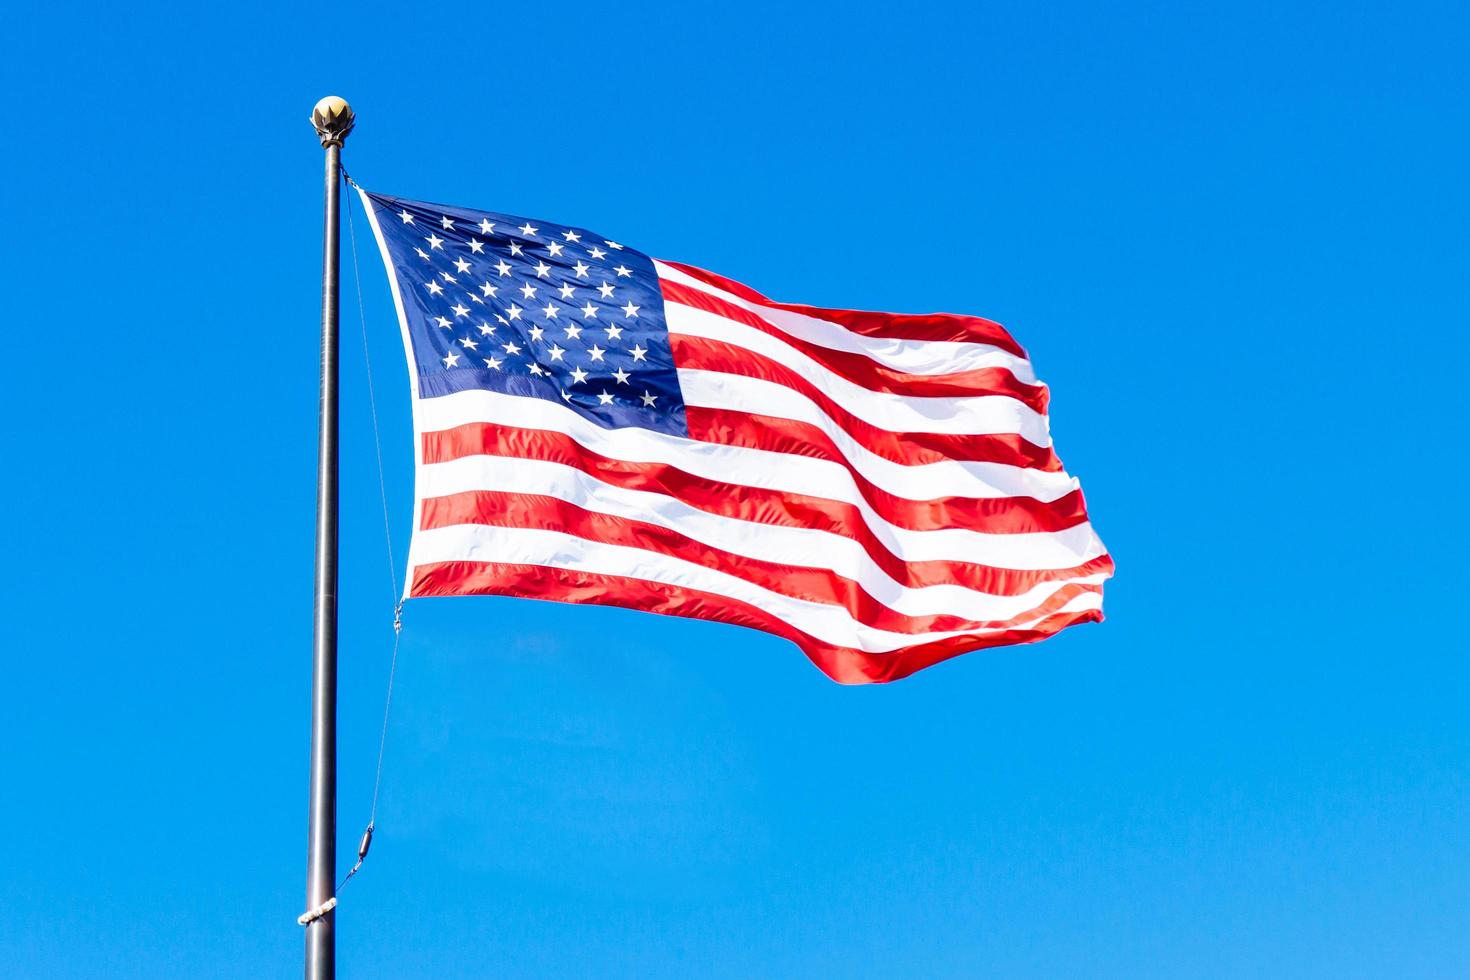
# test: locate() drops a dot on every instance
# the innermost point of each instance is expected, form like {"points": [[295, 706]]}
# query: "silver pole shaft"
{"points": [[321, 843]]}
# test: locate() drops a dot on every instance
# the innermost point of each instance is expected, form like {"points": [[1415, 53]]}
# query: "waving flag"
{"points": [[593, 425]]}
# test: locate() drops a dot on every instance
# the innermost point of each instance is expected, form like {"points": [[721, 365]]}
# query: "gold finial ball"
{"points": [[333, 120]]}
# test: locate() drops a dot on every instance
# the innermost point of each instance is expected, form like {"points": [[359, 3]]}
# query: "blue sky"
{"points": [[1233, 238]]}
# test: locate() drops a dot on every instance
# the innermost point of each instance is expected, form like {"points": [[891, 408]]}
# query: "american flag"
{"points": [[594, 425]]}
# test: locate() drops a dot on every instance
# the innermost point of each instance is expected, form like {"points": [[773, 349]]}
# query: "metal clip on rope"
{"points": [[311, 915], [362, 849]]}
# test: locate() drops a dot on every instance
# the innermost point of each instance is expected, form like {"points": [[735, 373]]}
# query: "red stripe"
{"points": [[809, 583], [699, 354], [903, 326], [753, 504], [842, 664], [865, 371], [708, 424]]}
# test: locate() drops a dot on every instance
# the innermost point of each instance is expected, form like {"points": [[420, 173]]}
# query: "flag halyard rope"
{"points": [[372, 394], [367, 837]]}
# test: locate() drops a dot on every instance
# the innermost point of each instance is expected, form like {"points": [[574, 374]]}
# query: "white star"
{"points": [[434, 288], [622, 376], [556, 352], [476, 246], [614, 332], [528, 291], [589, 311], [435, 241], [475, 299], [446, 222], [573, 331], [407, 218], [605, 290], [638, 352], [571, 236], [422, 254], [604, 398], [581, 269], [460, 309], [468, 344], [566, 395], [648, 400], [515, 249], [493, 363], [486, 330], [537, 370], [542, 269], [554, 249], [630, 310], [447, 277], [510, 347], [486, 225], [566, 289], [460, 265], [550, 311], [527, 229], [443, 321], [503, 268], [578, 375], [489, 290], [514, 312], [624, 271], [451, 360], [597, 253], [536, 333], [612, 245], [596, 353]]}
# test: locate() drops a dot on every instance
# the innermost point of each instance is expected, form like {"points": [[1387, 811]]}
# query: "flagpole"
{"points": [[333, 120]]}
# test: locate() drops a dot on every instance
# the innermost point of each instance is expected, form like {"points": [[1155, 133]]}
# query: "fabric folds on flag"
{"points": [[593, 425]]}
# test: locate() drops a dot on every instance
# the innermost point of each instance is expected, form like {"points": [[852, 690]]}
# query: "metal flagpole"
{"points": [[333, 120]]}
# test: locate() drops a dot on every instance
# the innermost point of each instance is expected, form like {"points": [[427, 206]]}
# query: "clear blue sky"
{"points": [[1234, 239]]}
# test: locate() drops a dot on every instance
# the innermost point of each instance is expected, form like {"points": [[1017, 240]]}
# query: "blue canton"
{"points": [[502, 303]]}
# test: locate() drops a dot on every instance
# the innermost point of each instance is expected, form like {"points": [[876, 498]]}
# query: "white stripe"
{"points": [[825, 622], [909, 356], [801, 547], [756, 396], [974, 415], [784, 472]]}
